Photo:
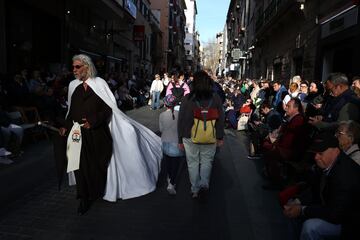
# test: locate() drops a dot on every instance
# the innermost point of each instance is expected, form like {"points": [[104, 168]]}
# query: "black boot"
{"points": [[84, 206]]}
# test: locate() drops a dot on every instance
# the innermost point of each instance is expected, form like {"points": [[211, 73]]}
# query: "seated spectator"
{"points": [[331, 207], [245, 114], [19, 92], [356, 85], [304, 90], [293, 92], [123, 98], [259, 130], [286, 145], [344, 106], [348, 135], [314, 99], [12, 134], [255, 90]]}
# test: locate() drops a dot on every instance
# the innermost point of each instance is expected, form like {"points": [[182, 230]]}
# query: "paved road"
{"points": [[237, 209]]}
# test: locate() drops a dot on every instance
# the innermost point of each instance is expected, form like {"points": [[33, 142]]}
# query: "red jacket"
{"points": [[291, 142]]}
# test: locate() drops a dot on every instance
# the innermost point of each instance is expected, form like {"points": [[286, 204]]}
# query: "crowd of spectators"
{"points": [[45, 94], [307, 134]]}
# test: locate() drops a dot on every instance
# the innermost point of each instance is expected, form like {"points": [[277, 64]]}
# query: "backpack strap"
{"points": [[182, 85]]}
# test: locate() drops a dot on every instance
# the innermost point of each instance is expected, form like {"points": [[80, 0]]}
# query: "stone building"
{"points": [[283, 38]]}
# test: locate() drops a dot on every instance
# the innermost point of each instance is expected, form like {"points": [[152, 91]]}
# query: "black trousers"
{"points": [[172, 167]]}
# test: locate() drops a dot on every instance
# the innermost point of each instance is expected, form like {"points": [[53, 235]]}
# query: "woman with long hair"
{"points": [[200, 156]]}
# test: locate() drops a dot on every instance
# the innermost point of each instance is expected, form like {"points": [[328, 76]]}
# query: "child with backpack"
{"points": [[172, 155]]}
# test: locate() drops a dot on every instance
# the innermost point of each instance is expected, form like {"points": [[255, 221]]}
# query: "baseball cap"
{"points": [[323, 141]]}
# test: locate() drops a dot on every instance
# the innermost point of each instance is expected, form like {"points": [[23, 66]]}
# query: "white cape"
{"points": [[135, 163]]}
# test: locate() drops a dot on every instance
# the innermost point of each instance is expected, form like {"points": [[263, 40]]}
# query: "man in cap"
{"points": [[334, 206]]}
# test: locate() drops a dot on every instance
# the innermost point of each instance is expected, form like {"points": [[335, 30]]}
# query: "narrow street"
{"points": [[237, 208]]}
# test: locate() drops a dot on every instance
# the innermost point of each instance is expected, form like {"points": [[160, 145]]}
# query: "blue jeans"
{"points": [[316, 228], [155, 102], [199, 158]]}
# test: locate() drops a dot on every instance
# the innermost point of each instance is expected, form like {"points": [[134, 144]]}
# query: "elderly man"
{"points": [[285, 145], [88, 109], [333, 207], [344, 106], [121, 163]]}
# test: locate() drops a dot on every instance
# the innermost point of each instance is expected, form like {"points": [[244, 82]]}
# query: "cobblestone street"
{"points": [[237, 209]]}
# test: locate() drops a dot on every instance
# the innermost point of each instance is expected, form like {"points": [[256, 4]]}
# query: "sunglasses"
{"points": [[77, 66]]}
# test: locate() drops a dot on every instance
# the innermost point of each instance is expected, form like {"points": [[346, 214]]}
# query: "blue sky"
{"points": [[211, 17]]}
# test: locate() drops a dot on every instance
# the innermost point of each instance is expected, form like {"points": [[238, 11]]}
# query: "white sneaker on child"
{"points": [[171, 189]]}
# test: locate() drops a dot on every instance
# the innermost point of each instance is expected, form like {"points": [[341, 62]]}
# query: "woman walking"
{"points": [[200, 153]]}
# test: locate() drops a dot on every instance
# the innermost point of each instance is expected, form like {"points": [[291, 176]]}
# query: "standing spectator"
{"points": [[155, 90], [265, 91], [280, 93], [199, 156], [172, 155]]}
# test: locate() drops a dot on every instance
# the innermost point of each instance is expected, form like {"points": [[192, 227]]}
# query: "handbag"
{"points": [[242, 123]]}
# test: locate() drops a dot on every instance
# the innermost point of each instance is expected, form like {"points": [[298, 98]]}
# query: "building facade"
{"points": [[190, 39], [44, 34], [278, 39]]}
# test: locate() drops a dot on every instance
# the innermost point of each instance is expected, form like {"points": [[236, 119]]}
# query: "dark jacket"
{"points": [[186, 116], [342, 108], [339, 198]]}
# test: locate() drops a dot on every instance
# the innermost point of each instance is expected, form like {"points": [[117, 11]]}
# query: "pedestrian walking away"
{"points": [[169, 137], [200, 147]]}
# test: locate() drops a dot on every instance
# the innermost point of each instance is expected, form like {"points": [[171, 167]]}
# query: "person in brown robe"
{"points": [[89, 109]]}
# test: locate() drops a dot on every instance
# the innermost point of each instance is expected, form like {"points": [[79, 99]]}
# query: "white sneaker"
{"points": [[171, 189], [4, 152]]}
